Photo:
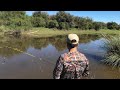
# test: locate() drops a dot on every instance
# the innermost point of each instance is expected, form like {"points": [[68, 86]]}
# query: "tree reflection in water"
{"points": [[23, 43]]}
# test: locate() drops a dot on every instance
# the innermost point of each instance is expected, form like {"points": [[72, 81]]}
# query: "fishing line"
{"points": [[16, 49]]}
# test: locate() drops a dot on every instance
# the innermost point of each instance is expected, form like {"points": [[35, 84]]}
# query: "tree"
{"points": [[112, 25], [60, 16], [53, 24], [40, 19], [62, 25], [83, 23], [86, 23], [67, 26], [41, 14], [118, 27], [96, 26], [14, 19], [62, 20], [52, 17], [65, 19], [76, 21], [38, 22]]}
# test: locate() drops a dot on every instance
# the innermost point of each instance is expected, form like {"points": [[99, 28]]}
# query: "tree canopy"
{"points": [[62, 20]]}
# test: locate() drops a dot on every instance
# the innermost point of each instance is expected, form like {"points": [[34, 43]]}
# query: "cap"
{"points": [[73, 39]]}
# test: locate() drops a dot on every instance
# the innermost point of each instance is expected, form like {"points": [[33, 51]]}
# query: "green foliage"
{"points": [[52, 17], [40, 19], [61, 16], [3, 28], [112, 46], [15, 20], [62, 20], [97, 26], [62, 25], [118, 27], [41, 14], [83, 23], [53, 24], [65, 20], [112, 25], [38, 22]]}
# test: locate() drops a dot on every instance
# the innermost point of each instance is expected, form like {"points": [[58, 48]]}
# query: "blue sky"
{"points": [[104, 16]]}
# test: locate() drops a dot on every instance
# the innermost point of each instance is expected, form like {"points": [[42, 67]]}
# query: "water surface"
{"points": [[17, 64]]}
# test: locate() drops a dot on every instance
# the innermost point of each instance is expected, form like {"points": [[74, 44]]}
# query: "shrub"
{"points": [[112, 46]]}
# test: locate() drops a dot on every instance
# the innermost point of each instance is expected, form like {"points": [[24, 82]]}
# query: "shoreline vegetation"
{"points": [[112, 46], [41, 24], [46, 32]]}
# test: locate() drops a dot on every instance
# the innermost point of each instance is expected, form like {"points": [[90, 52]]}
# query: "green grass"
{"points": [[1, 33], [45, 32], [112, 45]]}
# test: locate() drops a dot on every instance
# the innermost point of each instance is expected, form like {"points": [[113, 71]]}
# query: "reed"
{"points": [[112, 46]]}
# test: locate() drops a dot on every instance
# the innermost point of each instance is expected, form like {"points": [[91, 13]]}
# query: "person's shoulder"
{"points": [[82, 55], [64, 56]]}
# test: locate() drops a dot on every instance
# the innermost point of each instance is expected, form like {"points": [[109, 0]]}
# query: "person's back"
{"points": [[71, 65]]}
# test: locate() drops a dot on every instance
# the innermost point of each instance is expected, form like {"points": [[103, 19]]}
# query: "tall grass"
{"points": [[112, 46], [45, 32]]}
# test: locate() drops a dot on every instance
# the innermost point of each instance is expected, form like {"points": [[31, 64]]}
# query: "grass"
{"points": [[1, 33], [112, 45], [45, 32]]}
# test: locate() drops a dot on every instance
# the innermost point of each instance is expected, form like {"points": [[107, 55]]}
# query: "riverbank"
{"points": [[45, 32]]}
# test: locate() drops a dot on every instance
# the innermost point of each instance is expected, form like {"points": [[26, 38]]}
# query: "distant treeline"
{"points": [[62, 20]]}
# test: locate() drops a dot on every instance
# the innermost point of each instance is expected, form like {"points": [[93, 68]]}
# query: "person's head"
{"points": [[72, 41]]}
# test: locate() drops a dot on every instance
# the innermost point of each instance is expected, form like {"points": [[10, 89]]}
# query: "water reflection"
{"points": [[23, 43], [20, 43], [15, 64]]}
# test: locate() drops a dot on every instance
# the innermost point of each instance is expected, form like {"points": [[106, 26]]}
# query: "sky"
{"points": [[103, 16]]}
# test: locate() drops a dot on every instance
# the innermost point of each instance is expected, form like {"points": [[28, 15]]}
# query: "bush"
{"points": [[38, 22], [112, 25], [112, 46], [53, 24], [3, 28]]}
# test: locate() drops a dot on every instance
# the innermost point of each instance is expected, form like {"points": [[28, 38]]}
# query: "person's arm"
{"points": [[58, 68], [86, 71]]}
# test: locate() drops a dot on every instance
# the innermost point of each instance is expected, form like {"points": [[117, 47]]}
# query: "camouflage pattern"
{"points": [[71, 66]]}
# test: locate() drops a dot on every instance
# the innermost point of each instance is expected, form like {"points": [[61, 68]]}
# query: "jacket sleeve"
{"points": [[58, 68], [86, 71]]}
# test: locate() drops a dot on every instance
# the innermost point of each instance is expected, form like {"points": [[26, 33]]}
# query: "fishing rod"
{"points": [[16, 49]]}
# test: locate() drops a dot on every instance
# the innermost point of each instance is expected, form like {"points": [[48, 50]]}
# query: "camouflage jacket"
{"points": [[71, 66]]}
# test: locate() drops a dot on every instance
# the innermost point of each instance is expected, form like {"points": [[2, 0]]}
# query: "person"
{"points": [[71, 65]]}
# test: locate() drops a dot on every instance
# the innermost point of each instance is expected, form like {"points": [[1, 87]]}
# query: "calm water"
{"points": [[19, 64]]}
